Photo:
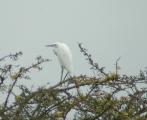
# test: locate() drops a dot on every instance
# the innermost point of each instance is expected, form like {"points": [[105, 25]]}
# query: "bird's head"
{"points": [[56, 47]]}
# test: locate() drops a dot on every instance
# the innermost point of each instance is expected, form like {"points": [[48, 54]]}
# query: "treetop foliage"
{"points": [[103, 96]]}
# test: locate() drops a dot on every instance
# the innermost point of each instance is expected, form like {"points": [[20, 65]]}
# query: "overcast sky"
{"points": [[108, 28]]}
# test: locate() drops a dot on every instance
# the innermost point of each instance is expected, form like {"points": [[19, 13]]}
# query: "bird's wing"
{"points": [[65, 58]]}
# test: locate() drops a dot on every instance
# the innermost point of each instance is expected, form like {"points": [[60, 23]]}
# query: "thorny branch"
{"points": [[105, 96], [95, 66], [21, 73]]}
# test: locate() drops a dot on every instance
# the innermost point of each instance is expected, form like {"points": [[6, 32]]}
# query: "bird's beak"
{"points": [[52, 45]]}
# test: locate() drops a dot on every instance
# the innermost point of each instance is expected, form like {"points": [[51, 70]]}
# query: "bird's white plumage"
{"points": [[64, 55]]}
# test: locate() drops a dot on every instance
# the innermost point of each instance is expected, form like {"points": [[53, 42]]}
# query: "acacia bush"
{"points": [[103, 96]]}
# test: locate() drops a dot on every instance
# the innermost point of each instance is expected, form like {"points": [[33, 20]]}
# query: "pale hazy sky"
{"points": [[108, 28]]}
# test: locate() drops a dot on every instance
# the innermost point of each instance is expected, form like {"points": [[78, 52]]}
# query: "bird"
{"points": [[64, 55]]}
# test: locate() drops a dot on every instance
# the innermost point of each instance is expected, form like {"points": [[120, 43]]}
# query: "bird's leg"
{"points": [[66, 75], [62, 70]]}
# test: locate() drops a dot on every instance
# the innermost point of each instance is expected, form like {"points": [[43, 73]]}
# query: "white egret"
{"points": [[64, 55]]}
